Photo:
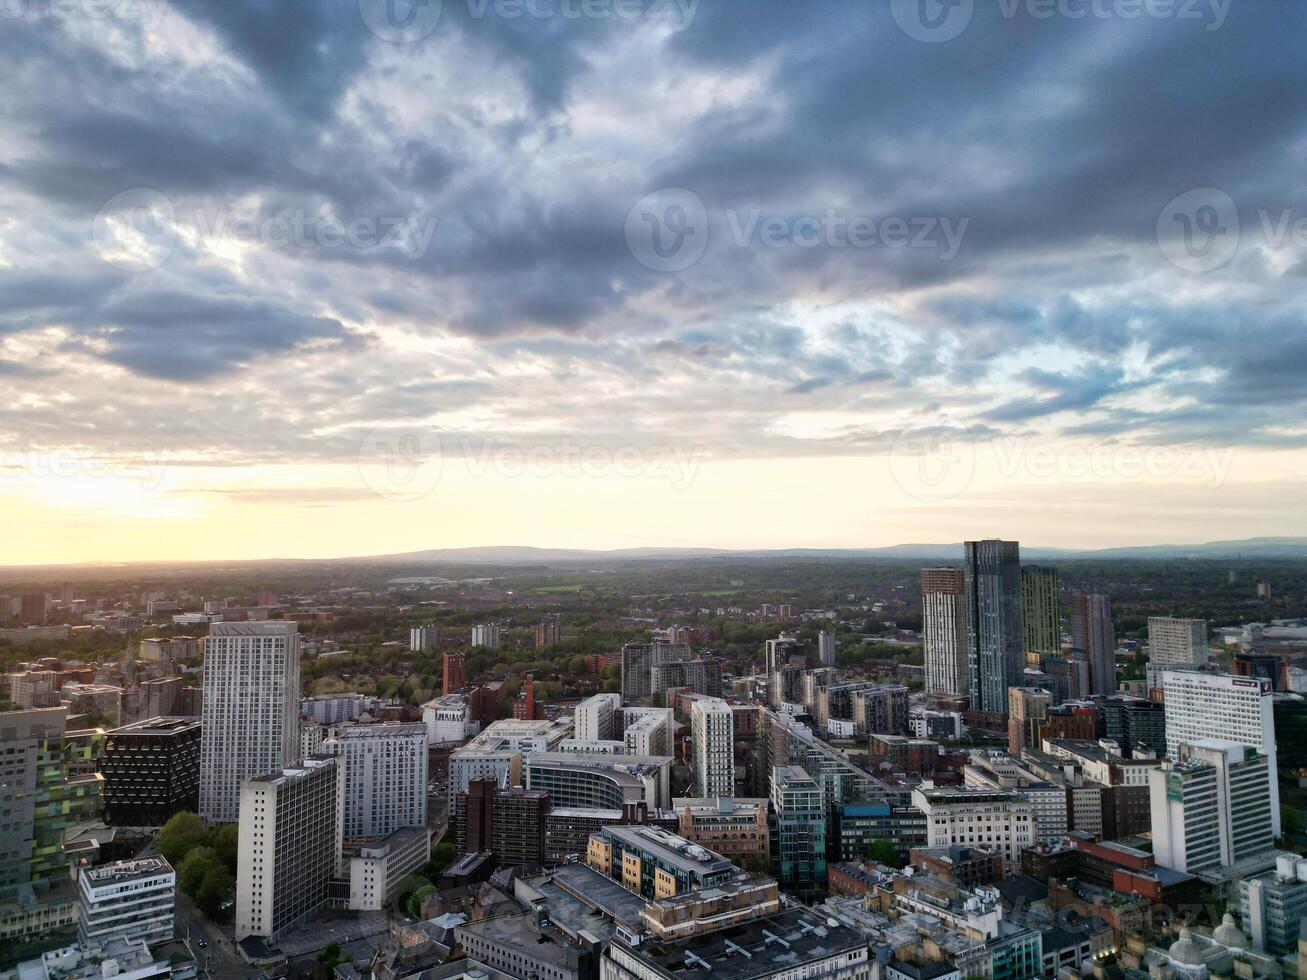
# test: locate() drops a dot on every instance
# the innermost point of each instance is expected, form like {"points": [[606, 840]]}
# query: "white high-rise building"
{"points": [[288, 848], [648, 731], [1212, 809], [944, 630], [127, 900], [999, 820], [486, 635], [251, 701], [1201, 706], [1176, 642], [596, 717], [385, 778], [423, 638], [712, 731], [826, 648]]}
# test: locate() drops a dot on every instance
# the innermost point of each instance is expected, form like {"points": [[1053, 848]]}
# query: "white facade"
{"points": [[712, 731], [596, 717], [944, 630], [486, 635], [332, 709], [288, 848], [648, 731], [826, 648], [448, 719], [385, 778], [251, 703], [497, 752], [1226, 708], [423, 638], [1003, 821], [377, 869], [1176, 642], [128, 900]]}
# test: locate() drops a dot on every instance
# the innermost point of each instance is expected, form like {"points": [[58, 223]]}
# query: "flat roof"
{"points": [[671, 849], [150, 867], [166, 725], [384, 730], [519, 931], [757, 948]]}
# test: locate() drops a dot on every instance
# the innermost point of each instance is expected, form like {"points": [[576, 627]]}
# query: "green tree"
{"points": [[198, 863], [442, 856], [225, 841], [330, 955], [179, 835], [883, 852], [415, 900], [214, 891], [1290, 820]]}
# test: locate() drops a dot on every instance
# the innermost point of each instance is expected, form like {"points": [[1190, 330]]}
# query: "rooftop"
{"points": [[121, 871], [158, 726], [757, 948], [670, 849], [387, 730]]}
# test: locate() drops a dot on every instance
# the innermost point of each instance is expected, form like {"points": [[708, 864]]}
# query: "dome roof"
{"points": [[1229, 935], [1185, 951]]}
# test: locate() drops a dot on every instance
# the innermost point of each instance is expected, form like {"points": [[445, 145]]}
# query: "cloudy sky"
{"points": [[346, 277]]}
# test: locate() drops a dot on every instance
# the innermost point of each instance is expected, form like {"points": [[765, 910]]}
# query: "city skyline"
{"points": [[603, 299]]}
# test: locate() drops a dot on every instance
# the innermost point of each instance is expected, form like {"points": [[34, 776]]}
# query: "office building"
{"points": [[598, 718], [794, 943], [384, 778], [1093, 643], [151, 771], [454, 676], [509, 823], [332, 709], [486, 635], [1211, 809], [712, 733], [655, 863], [169, 649], [995, 657], [126, 900], [496, 753], [250, 721], [448, 719], [856, 826], [421, 638], [800, 813], [375, 870], [1176, 642], [1041, 630], [944, 631], [1273, 904], [1201, 706], [648, 731], [736, 828], [826, 648], [999, 820], [1136, 725], [779, 652], [288, 846], [603, 782]]}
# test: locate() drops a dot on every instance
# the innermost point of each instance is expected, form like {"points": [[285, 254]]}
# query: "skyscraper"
{"points": [[944, 631], [1176, 642], [385, 777], [826, 648], [712, 730], [1201, 707], [1040, 630], [779, 652], [423, 638], [993, 576], [1093, 642], [250, 720]]}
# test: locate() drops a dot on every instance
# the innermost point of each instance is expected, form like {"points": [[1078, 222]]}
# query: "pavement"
{"points": [[219, 960]]}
